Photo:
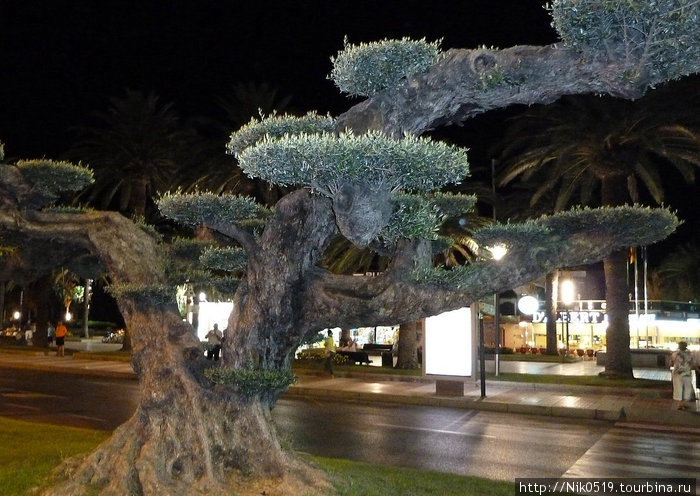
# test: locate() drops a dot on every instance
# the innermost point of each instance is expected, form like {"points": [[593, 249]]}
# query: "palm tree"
{"points": [[597, 151], [136, 148], [220, 173], [679, 273]]}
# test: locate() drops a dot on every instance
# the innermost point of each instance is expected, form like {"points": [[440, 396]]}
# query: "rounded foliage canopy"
{"points": [[660, 37], [326, 162]]}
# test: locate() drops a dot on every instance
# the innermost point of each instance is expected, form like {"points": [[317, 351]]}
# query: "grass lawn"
{"points": [[30, 451], [361, 479]]}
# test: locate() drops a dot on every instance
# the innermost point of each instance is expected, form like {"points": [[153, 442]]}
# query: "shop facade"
{"points": [[653, 324]]}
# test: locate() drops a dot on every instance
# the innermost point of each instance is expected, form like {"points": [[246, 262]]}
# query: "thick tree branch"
{"points": [[397, 296], [238, 234], [120, 245], [466, 83]]}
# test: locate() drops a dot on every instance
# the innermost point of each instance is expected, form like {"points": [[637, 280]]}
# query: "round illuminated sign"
{"points": [[528, 305]]}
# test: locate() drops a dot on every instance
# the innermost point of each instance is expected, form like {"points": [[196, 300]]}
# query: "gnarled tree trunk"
{"points": [[187, 436]]}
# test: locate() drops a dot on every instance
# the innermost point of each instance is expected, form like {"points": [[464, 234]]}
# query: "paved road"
{"points": [[488, 444], [80, 401]]}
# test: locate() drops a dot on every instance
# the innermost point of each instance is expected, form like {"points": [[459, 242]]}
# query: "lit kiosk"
{"points": [[451, 343], [448, 347]]}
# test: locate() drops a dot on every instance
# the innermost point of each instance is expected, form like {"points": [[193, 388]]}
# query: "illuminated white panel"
{"points": [[448, 343], [211, 313]]}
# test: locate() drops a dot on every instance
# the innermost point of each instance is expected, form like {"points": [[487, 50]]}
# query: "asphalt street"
{"points": [[488, 444], [483, 443]]}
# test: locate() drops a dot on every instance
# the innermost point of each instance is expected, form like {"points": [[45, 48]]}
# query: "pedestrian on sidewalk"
{"points": [[329, 345], [61, 333], [214, 338], [29, 335], [49, 334], [683, 363]]}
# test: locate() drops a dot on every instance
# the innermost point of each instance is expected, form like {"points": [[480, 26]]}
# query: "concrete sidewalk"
{"points": [[587, 402]]}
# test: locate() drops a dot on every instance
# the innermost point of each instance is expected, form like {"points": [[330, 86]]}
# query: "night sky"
{"points": [[61, 60]]}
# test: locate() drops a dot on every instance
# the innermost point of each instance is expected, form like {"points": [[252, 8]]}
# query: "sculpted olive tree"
{"points": [[366, 175]]}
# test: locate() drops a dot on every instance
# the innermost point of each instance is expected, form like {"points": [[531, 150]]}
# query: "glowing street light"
{"points": [[528, 305], [567, 298], [498, 251], [567, 292]]}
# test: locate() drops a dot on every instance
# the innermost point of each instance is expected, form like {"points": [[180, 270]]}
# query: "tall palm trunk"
{"points": [[551, 292], [3, 287], [408, 344], [139, 198], [618, 355]]}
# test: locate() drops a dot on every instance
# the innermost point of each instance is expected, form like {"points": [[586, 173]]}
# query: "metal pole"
{"points": [[496, 296], [482, 356], [646, 298], [497, 332], [636, 293]]}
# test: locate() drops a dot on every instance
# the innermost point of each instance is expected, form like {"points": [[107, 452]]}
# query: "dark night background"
{"points": [[61, 60]]}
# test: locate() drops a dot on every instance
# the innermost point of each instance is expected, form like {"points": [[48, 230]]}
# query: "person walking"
{"points": [[329, 345], [60, 333], [214, 339], [49, 334], [29, 335], [683, 363]]}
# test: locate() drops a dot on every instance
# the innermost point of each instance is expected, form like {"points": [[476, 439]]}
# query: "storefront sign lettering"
{"points": [[591, 317]]}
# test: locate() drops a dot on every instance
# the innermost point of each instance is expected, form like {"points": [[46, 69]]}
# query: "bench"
{"points": [[356, 356], [384, 350], [377, 347]]}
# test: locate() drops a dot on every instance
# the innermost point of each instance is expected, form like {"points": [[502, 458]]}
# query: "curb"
{"points": [[74, 368], [456, 402]]}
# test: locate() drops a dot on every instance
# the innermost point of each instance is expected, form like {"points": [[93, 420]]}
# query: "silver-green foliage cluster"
{"points": [[452, 205], [368, 68], [628, 225], [225, 258], [53, 177], [325, 162], [658, 37], [528, 233], [616, 227], [276, 126], [209, 208], [420, 216], [414, 217], [161, 294], [251, 382]]}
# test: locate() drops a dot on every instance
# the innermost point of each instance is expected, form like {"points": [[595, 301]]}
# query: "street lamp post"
{"points": [[482, 356], [567, 297], [498, 252]]}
